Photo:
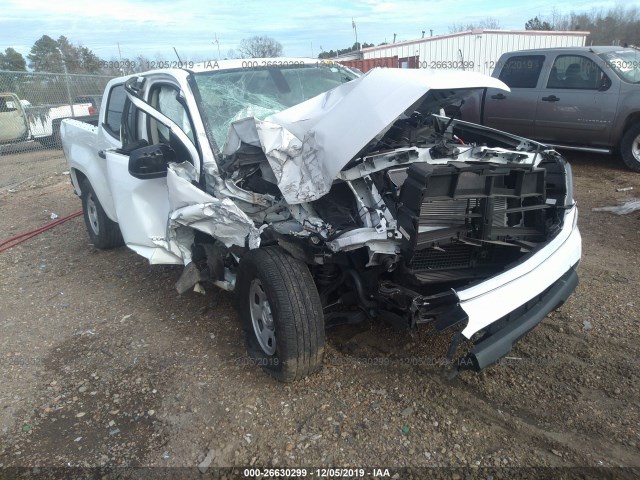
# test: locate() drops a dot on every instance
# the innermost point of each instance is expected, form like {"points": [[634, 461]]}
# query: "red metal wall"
{"points": [[367, 64]]}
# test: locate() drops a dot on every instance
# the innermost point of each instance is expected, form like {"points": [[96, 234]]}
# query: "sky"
{"points": [[153, 27]]}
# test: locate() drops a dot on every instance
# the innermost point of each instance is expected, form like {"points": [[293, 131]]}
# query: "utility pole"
{"points": [[216, 42], [353, 24], [66, 81], [122, 72]]}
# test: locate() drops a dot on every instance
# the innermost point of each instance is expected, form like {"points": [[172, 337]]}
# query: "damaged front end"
{"points": [[399, 213]]}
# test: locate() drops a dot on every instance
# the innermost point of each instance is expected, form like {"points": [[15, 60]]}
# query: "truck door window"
{"points": [[164, 99], [522, 71], [576, 72], [129, 128], [115, 107], [6, 106]]}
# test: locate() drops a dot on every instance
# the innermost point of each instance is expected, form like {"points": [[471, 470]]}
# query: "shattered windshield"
{"points": [[626, 64], [232, 95]]}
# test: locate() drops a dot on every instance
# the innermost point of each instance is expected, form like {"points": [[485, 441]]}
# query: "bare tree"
{"points": [[488, 23], [260, 47], [616, 26]]}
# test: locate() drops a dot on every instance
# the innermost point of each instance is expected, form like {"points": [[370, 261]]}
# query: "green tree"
{"points": [[49, 55], [45, 56], [89, 61], [70, 55], [12, 60], [537, 24]]}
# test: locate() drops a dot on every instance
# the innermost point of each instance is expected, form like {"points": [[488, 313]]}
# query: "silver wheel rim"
{"points": [[635, 148], [92, 213], [261, 317]]}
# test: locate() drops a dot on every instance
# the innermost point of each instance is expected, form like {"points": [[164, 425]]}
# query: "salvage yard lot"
{"points": [[104, 364]]}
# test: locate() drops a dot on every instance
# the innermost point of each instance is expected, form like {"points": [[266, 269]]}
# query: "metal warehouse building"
{"points": [[476, 50]]}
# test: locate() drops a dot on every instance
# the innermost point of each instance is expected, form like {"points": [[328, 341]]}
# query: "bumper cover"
{"points": [[499, 296], [507, 306], [498, 343]]}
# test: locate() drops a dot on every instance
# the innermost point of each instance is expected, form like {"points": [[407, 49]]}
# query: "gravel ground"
{"points": [[28, 162], [104, 364]]}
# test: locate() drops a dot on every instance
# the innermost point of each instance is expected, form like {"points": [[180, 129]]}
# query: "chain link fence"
{"points": [[32, 105]]}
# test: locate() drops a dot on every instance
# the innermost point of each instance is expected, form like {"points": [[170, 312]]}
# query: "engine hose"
{"points": [[360, 289]]}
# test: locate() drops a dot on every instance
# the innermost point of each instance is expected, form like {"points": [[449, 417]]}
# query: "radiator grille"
{"points": [[455, 255], [447, 212], [455, 212]]}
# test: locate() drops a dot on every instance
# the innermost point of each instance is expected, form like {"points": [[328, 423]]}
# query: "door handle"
{"points": [[550, 98], [101, 154], [499, 96]]}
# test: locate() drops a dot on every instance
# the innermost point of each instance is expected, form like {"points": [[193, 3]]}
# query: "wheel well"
{"points": [[631, 120], [80, 177]]}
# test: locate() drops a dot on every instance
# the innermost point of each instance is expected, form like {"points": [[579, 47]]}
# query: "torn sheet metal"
{"points": [[308, 144], [194, 208]]}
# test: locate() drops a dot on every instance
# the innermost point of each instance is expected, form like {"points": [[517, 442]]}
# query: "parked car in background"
{"points": [[94, 100], [582, 98], [44, 120], [320, 196], [13, 121]]}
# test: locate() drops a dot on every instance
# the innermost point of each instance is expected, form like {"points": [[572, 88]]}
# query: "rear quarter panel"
{"points": [[628, 110]]}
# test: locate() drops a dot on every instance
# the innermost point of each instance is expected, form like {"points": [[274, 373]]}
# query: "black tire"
{"points": [[295, 309], [103, 232], [630, 148]]}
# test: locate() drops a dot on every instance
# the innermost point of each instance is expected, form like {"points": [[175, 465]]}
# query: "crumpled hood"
{"points": [[308, 144]]}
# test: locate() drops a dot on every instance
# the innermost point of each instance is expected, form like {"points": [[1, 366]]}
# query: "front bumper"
{"points": [[502, 294], [507, 306], [498, 343]]}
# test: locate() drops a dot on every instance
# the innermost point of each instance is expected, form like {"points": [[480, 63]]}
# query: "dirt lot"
{"points": [[104, 364]]}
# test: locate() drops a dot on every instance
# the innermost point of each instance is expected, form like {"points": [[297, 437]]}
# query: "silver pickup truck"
{"points": [[584, 98], [320, 196]]}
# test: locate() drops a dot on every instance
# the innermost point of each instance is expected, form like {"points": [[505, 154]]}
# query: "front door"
{"points": [[514, 111], [142, 206], [577, 104]]}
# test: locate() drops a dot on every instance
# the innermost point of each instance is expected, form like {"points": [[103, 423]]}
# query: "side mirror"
{"points": [[151, 161], [605, 83]]}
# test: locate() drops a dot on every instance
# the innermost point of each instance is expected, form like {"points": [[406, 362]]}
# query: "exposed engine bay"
{"points": [[431, 205]]}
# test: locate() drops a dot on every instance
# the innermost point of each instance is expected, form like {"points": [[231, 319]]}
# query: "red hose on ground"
{"points": [[17, 239]]}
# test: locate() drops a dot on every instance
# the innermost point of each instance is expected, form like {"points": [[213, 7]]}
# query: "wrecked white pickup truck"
{"points": [[322, 196]]}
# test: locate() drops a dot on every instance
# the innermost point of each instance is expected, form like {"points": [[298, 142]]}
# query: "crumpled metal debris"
{"points": [[308, 144], [194, 208], [627, 207]]}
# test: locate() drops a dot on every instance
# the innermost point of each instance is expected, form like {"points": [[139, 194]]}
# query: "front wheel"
{"points": [[630, 148], [103, 232], [281, 313]]}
